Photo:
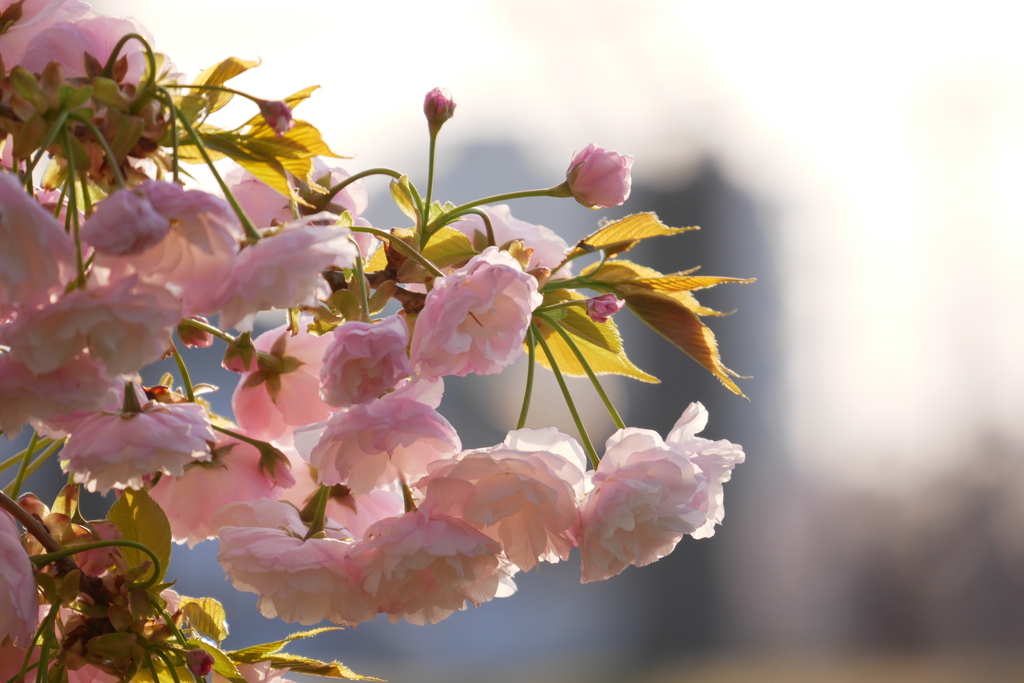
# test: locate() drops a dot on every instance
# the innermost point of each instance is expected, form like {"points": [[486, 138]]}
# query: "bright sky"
{"points": [[889, 137]]}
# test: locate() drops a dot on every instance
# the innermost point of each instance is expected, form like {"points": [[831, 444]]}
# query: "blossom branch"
{"points": [[250, 229], [590, 373], [531, 344], [561, 190], [587, 443]]}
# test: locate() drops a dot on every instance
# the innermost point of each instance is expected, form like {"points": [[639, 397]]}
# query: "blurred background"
{"points": [[863, 161]]}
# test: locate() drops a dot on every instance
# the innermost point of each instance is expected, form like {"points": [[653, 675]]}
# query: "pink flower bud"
{"points": [[598, 178], [278, 116], [438, 108], [604, 306], [193, 336], [199, 662]]}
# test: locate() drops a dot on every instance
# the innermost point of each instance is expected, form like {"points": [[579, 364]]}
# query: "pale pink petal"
{"points": [[19, 603], [475, 320]]}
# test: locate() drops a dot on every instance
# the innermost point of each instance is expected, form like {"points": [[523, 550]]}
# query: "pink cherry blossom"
{"points": [[123, 224], [599, 178], [80, 384], [423, 569], [68, 43], [37, 258], [526, 499], [195, 257], [117, 449], [233, 474], [641, 505], [475, 319], [715, 459], [126, 324], [282, 389], [304, 581], [364, 360], [35, 16], [373, 444], [602, 307], [283, 270], [19, 604], [549, 249]]}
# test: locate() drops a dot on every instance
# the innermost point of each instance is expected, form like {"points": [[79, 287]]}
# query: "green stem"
{"points": [[261, 445], [316, 525], [170, 622], [9, 462], [199, 325], [491, 241], [587, 444], [360, 281], [108, 68], [43, 672], [250, 229], [42, 560], [170, 667], [463, 208], [115, 166], [183, 370], [58, 128], [175, 142], [425, 209], [528, 393], [561, 304], [335, 189], [73, 210], [15, 486], [410, 504], [401, 247], [43, 457], [590, 373]]}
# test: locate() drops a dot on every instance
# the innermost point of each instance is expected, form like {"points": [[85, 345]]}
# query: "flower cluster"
{"points": [[338, 490]]}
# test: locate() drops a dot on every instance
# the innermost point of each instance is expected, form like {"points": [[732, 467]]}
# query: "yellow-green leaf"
{"points": [[676, 282], [448, 247], [626, 276], [665, 305], [671, 318], [140, 519], [623, 235], [305, 665], [67, 501], [163, 674], [600, 344], [219, 74], [207, 616], [402, 195], [255, 653]]}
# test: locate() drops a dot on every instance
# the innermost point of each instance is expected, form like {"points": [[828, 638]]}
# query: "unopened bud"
{"points": [[240, 354], [278, 116], [193, 336], [199, 662], [438, 108], [603, 306]]}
